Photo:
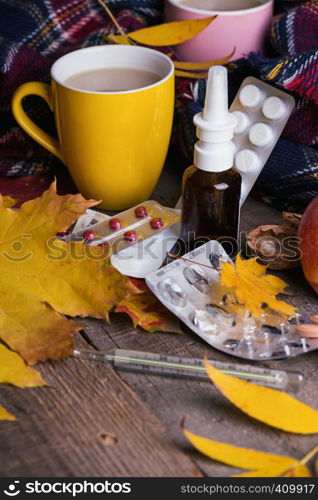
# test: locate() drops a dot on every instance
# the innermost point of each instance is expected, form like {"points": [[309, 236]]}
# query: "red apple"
{"points": [[308, 234]]}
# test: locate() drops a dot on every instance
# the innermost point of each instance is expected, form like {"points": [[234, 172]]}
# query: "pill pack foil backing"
{"points": [[189, 287]]}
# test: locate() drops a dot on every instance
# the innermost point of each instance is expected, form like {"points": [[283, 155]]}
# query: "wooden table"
{"points": [[94, 421]]}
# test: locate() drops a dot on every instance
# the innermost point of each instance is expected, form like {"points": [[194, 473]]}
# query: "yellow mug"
{"points": [[113, 143]]}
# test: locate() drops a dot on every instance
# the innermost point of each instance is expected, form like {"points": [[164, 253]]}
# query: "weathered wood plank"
{"points": [[64, 430], [206, 411]]}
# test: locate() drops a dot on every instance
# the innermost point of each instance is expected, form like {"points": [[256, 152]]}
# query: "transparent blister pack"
{"points": [[125, 229], [190, 288], [90, 218], [261, 113]]}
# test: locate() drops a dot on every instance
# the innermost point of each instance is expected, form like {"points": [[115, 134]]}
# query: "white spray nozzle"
{"points": [[215, 125], [216, 97]]}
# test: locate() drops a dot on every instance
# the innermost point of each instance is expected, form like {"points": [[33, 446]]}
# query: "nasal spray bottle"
{"points": [[211, 188]]}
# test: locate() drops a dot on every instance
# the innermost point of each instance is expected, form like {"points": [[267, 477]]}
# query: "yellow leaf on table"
{"points": [[297, 470], [170, 33], [270, 406], [13, 370], [252, 287], [5, 415], [243, 458], [42, 277]]}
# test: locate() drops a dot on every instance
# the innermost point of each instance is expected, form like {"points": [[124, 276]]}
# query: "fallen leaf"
{"points": [[184, 65], [297, 470], [235, 456], [14, 371], [8, 201], [300, 469], [270, 406], [252, 287], [5, 415], [146, 311], [42, 277], [263, 464], [168, 33]]}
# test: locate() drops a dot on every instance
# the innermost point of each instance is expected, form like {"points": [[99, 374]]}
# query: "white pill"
{"points": [[242, 121], [273, 108], [246, 161], [250, 96], [260, 134]]}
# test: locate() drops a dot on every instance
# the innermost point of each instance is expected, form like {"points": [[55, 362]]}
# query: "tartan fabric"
{"points": [[34, 33]]}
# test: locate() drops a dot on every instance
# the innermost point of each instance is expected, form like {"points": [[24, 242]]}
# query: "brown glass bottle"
{"points": [[210, 208]]}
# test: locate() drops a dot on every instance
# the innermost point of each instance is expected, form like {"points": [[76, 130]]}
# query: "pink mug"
{"points": [[243, 24]]}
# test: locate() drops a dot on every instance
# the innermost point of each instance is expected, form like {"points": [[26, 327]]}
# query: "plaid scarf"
{"points": [[34, 33]]}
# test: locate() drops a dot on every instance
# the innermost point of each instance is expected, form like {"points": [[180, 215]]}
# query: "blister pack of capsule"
{"points": [[123, 230], [190, 288], [261, 112]]}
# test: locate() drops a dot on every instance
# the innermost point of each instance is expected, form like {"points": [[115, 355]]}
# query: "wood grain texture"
{"points": [[62, 430], [94, 421]]}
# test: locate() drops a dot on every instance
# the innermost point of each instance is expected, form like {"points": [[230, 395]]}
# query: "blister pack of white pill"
{"points": [[261, 113], [190, 288]]}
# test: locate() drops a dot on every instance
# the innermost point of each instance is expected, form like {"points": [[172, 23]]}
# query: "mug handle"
{"points": [[42, 90]]}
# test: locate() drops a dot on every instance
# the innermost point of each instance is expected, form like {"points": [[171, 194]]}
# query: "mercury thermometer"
{"points": [[191, 368]]}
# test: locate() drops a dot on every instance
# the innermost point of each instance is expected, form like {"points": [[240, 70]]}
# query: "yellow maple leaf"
{"points": [[14, 371], [8, 201], [42, 277], [146, 311], [267, 405], [263, 464], [252, 287]]}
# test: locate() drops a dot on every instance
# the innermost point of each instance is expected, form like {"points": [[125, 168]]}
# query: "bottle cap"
{"points": [[214, 152]]}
